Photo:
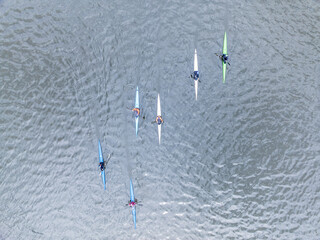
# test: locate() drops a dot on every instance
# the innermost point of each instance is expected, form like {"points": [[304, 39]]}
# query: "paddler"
{"points": [[136, 111], [159, 120], [133, 203], [195, 75], [224, 58], [101, 165]]}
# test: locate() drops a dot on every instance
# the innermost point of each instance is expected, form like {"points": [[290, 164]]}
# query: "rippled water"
{"points": [[240, 163]]}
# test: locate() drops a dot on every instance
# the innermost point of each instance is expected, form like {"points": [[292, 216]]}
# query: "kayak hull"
{"points": [[131, 192], [159, 133], [195, 69], [137, 105], [137, 125], [134, 216], [103, 176], [133, 200], [196, 88], [195, 61], [158, 106], [159, 114], [224, 51], [224, 68]]}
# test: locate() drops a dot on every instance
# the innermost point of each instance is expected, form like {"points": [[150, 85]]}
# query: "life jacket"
{"points": [[132, 204], [137, 111], [196, 75], [101, 166], [159, 118]]}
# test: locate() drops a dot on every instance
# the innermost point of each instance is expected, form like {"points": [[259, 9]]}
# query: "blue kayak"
{"points": [[103, 171], [137, 105], [133, 200]]}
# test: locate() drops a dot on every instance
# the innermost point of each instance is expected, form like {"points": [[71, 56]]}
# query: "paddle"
{"points": [[108, 158], [126, 205], [144, 116], [153, 122], [191, 76]]}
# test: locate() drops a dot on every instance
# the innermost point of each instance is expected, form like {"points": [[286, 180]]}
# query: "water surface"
{"points": [[242, 162]]}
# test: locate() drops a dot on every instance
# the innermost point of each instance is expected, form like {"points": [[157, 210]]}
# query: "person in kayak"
{"points": [[136, 111], [101, 165], [195, 75], [224, 58], [159, 120], [132, 204]]}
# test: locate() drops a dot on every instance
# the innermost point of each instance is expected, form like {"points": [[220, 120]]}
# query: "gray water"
{"points": [[242, 162]]}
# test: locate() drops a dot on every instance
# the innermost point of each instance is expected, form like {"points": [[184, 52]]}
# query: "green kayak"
{"points": [[224, 51]]}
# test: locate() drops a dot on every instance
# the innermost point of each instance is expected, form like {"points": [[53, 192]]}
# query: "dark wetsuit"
{"points": [[224, 58], [196, 75], [101, 165]]}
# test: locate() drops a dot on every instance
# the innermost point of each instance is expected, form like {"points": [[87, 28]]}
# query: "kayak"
{"points": [[137, 105], [133, 200], [159, 114], [102, 172], [224, 51], [195, 69]]}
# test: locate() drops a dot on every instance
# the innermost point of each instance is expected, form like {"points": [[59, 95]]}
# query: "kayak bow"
{"points": [[159, 114], [224, 51], [133, 200], [102, 172], [195, 69], [137, 105]]}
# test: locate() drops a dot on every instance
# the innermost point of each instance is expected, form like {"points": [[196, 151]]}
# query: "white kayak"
{"points": [[195, 69], [159, 114], [137, 105]]}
